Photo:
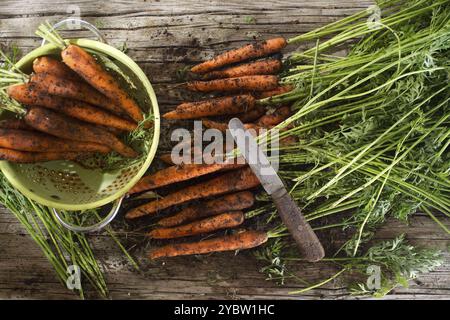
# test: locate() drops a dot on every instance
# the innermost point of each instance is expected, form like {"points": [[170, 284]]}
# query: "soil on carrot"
{"points": [[142, 137]]}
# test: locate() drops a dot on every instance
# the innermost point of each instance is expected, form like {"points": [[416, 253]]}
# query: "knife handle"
{"points": [[291, 215]]}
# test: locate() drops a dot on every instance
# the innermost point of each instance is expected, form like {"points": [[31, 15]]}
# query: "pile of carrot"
{"points": [[221, 199], [235, 71], [69, 107]]}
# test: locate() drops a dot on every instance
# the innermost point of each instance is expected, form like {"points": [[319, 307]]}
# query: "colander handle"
{"points": [[96, 227], [82, 23]]}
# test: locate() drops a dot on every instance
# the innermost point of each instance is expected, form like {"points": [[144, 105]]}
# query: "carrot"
{"points": [[64, 127], [241, 179], [18, 124], [212, 107], [30, 94], [114, 131], [274, 118], [231, 202], [269, 66], [251, 115], [166, 158], [39, 142], [74, 90], [209, 124], [224, 126], [221, 221], [247, 52], [46, 64], [244, 240], [175, 174], [196, 156], [254, 128], [85, 65], [289, 140], [244, 83], [274, 92], [32, 157]]}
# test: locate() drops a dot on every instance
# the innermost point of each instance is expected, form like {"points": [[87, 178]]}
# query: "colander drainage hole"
{"points": [[55, 197]]}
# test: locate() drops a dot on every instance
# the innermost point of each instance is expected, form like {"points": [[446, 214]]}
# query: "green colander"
{"points": [[66, 185]]}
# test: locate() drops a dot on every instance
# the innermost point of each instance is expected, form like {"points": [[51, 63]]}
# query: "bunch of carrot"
{"points": [[233, 72], [230, 183], [227, 192], [73, 107]]}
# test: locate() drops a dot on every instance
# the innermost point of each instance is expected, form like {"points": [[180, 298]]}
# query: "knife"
{"points": [[291, 215]]}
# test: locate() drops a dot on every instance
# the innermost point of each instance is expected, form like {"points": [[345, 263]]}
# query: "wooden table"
{"points": [[163, 37]]}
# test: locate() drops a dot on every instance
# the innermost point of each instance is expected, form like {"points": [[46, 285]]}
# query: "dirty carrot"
{"points": [[196, 158], [32, 157], [244, 83], [65, 127], [90, 70], [175, 174], [166, 158], [232, 202], [18, 124], [32, 95], [275, 92], [46, 64], [86, 66], [233, 181], [247, 52], [224, 126], [210, 224], [212, 107], [209, 124], [114, 131], [195, 155], [272, 119], [74, 90], [262, 67], [39, 142], [244, 240]]}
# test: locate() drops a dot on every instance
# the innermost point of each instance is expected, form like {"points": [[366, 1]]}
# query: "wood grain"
{"points": [[164, 37]]}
